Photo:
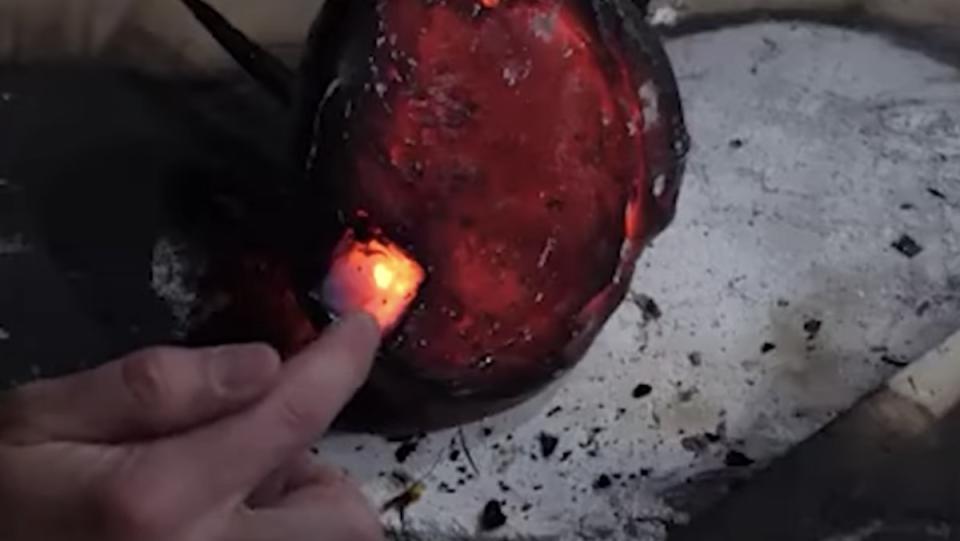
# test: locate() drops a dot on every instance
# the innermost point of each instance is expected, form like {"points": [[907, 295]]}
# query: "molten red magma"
{"points": [[506, 149]]}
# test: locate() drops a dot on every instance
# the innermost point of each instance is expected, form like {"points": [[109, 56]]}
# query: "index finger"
{"points": [[227, 460]]}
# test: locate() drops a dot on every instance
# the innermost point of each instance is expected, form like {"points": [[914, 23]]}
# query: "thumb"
{"points": [[143, 395]]}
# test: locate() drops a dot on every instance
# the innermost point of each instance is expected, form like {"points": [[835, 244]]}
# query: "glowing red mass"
{"points": [[517, 155], [499, 163]]}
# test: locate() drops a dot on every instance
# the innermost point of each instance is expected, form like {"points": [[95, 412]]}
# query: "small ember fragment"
{"points": [[548, 444], [648, 307], [555, 410], [736, 459], [406, 449], [812, 327], [767, 347], [401, 478], [907, 246], [695, 444], [893, 361], [936, 193], [642, 390], [687, 395], [446, 488], [492, 516], [695, 358], [603, 482], [736, 143]]}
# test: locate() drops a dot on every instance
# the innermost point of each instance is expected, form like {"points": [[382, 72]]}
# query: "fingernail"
{"points": [[245, 370]]}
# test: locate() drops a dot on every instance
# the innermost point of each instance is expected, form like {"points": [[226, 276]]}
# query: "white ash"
{"points": [[176, 269], [663, 16]]}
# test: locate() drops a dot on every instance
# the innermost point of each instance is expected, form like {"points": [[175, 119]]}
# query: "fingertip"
{"points": [[357, 335], [364, 324], [333, 367]]}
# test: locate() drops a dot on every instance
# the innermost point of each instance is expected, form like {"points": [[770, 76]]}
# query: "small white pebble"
{"points": [[664, 16]]}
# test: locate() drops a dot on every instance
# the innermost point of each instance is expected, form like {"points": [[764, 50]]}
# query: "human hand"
{"points": [[187, 445], [157, 36]]}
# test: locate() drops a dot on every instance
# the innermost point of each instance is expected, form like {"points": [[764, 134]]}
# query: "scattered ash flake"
{"points": [[664, 16], [907, 246], [4, 334], [175, 271]]}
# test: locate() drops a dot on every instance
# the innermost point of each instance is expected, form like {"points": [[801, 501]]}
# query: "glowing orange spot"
{"points": [[376, 276], [382, 275], [490, 3]]}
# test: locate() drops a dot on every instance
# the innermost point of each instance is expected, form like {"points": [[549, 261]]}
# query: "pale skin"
{"points": [[187, 445]]}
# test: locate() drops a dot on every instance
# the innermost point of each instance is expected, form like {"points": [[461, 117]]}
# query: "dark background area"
{"points": [[92, 161]]}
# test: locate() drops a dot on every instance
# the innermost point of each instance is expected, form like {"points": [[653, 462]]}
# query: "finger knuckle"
{"points": [[300, 417], [264, 352], [146, 379], [16, 422]]}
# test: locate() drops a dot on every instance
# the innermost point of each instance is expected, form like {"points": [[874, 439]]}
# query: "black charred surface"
{"points": [[330, 117], [907, 246], [492, 517], [548, 444]]}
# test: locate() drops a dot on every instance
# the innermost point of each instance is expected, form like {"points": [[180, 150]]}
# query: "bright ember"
{"points": [[375, 276]]}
